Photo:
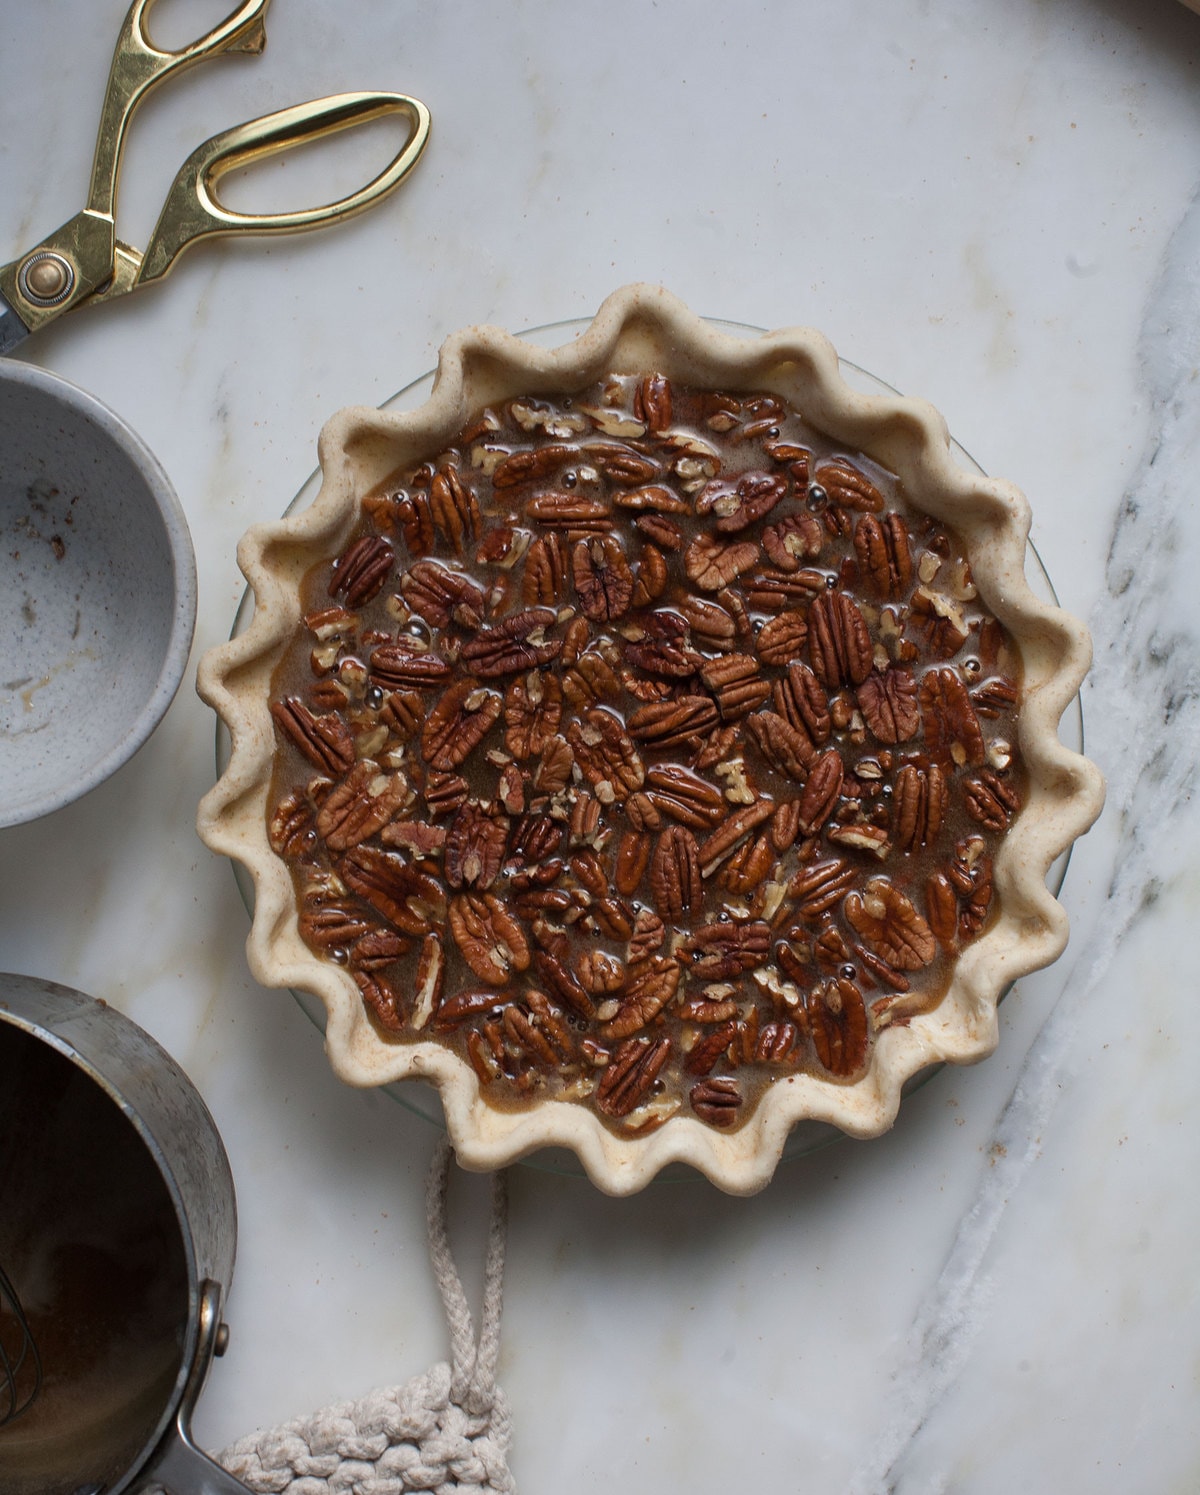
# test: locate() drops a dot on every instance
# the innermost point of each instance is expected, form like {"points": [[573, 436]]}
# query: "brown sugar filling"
{"points": [[645, 747]]}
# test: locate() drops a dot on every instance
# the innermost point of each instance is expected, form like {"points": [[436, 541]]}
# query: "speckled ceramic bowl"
{"points": [[97, 592]]}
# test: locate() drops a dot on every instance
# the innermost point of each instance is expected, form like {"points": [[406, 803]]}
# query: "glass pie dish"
{"points": [[773, 849]]}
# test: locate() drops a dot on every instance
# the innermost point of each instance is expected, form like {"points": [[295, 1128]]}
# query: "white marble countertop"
{"points": [[993, 206]]}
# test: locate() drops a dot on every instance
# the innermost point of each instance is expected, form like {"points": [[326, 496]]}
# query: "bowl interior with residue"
{"points": [[97, 592]]}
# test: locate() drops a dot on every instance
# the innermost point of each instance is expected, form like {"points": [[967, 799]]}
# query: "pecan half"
{"points": [[404, 665], [952, 730], [884, 555], [717, 952], [649, 988], [326, 741], [364, 802], [532, 466], [839, 641], [684, 795], [413, 901], [740, 502], [675, 874], [788, 751], [848, 486], [490, 939], [717, 1101], [991, 799], [801, 698], [675, 723], [329, 925], [454, 507], [822, 791], [713, 565], [781, 638], [573, 516], [602, 577], [652, 402], [439, 595], [458, 723], [605, 752], [728, 837], [888, 702], [837, 1021], [633, 857], [533, 707], [475, 846], [890, 925], [544, 579], [794, 540], [515, 644], [361, 571], [629, 1076], [919, 803], [737, 684]]}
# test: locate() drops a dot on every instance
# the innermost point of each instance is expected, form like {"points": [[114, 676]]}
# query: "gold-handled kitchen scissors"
{"points": [[85, 262]]}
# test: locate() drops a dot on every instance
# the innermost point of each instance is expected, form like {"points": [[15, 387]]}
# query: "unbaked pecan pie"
{"points": [[642, 750]]}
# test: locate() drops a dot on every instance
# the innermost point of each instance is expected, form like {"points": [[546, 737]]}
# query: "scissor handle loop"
{"points": [[138, 66], [192, 210]]}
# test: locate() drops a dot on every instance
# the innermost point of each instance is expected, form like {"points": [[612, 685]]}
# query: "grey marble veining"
{"points": [[990, 206]]}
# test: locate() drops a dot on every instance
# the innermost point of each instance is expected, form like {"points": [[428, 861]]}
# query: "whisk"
{"points": [[20, 1363]]}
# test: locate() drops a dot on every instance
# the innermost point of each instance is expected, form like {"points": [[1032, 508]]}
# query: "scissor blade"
{"points": [[12, 330]]}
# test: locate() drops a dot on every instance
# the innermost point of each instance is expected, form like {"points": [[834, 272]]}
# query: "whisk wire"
{"points": [[19, 1363]]}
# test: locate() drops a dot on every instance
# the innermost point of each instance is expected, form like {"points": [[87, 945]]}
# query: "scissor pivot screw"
{"points": [[46, 278]]}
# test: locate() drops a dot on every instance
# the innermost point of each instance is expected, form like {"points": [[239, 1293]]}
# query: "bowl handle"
{"points": [[177, 1466]]}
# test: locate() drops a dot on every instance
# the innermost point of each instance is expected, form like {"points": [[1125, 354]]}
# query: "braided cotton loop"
{"points": [[447, 1431]]}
